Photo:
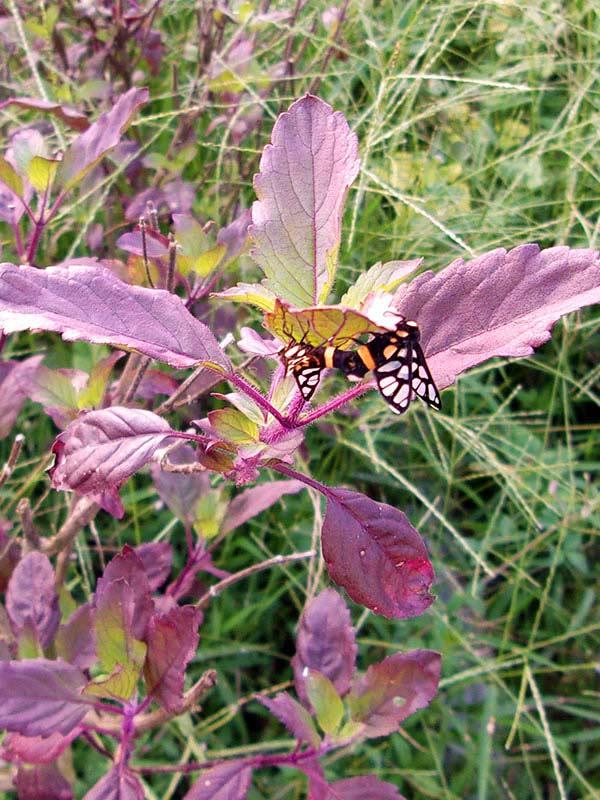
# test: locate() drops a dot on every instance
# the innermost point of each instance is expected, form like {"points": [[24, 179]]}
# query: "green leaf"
{"points": [[325, 700], [254, 293], [10, 178], [234, 426], [379, 278], [210, 513], [41, 172]]}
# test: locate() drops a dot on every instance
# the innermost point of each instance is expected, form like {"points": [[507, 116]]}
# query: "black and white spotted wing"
{"points": [[305, 363], [404, 375]]}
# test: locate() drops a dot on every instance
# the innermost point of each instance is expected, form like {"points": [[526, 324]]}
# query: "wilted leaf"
{"points": [[301, 188], [99, 139], [157, 560], [294, 716], [253, 501], [393, 689], [229, 781], [325, 642], [120, 783], [31, 599], [325, 701], [75, 640], [372, 550], [499, 304], [316, 325], [101, 449], [38, 696], [35, 749], [172, 640], [42, 782], [381, 278], [179, 491], [85, 301], [254, 293], [70, 116]]}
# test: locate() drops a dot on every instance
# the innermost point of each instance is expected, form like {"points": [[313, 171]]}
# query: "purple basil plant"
{"points": [[103, 668]]}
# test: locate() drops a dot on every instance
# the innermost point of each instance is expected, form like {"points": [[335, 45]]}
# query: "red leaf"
{"points": [[88, 302], [120, 783], [253, 501], [499, 304], [294, 716], [101, 449], [325, 642], [35, 749], [42, 782], [393, 689], [172, 640], [372, 550], [38, 696], [31, 600], [229, 781]]}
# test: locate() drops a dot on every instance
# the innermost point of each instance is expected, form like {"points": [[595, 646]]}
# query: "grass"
{"points": [[478, 124]]}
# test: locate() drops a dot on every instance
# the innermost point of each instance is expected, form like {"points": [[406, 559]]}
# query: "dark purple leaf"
{"points": [[120, 783], [42, 782], [364, 787], [253, 501], [10, 554], [157, 558], [101, 449], [393, 689], [325, 642], [235, 235], [88, 302], [70, 116], [128, 566], [181, 492], [499, 304], [99, 139], [16, 381], [372, 550], [38, 696], [293, 715], [229, 781], [172, 640], [75, 640], [35, 749], [304, 177], [156, 382], [31, 600]]}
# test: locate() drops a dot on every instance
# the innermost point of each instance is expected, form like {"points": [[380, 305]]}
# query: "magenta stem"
{"points": [[335, 403], [299, 476], [259, 399]]}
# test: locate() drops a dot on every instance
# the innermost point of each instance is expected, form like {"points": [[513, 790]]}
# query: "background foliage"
{"points": [[478, 128]]}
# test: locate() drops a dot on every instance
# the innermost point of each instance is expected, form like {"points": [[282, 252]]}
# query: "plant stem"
{"points": [[259, 399]]}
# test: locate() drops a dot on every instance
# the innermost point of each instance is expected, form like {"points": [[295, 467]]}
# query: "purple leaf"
{"points": [[393, 689], [38, 696], [120, 783], [88, 302], [372, 550], [325, 642], [101, 449], [172, 640], [157, 558], [70, 116], [235, 235], [251, 342], [10, 555], [31, 600], [181, 492], [16, 382], [229, 781], [304, 177], [499, 304], [127, 566], [35, 749], [253, 501], [42, 782], [293, 715], [156, 382], [92, 145], [157, 244], [364, 787], [75, 640]]}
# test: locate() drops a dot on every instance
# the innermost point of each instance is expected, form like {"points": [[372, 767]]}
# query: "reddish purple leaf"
{"points": [[393, 689], [31, 600], [229, 781], [235, 235], [120, 783], [325, 642], [156, 382], [10, 554], [157, 244], [180, 492], [127, 566], [499, 304], [99, 139], [293, 715], [372, 550], [16, 381], [75, 640], [38, 696], [172, 640], [157, 558], [304, 177], [101, 449], [364, 787], [42, 782], [70, 116], [35, 749], [88, 302], [253, 501]]}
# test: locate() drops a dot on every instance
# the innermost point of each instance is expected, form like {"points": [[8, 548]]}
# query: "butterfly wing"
{"points": [[404, 375], [305, 364], [422, 384]]}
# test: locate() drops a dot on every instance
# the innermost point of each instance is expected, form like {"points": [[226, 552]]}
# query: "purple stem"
{"points": [[279, 466], [259, 399], [335, 403]]}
